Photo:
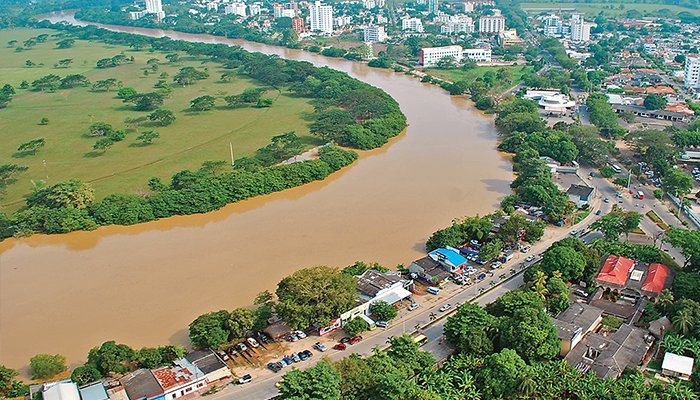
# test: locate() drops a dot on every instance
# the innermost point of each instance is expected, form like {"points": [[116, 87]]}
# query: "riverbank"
{"points": [[162, 274]]}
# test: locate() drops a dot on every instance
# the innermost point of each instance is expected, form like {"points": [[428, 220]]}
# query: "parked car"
{"points": [[382, 324], [231, 351], [300, 334], [340, 346], [242, 347], [481, 276], [278, 384], [287, 361], [412, 306], [445, 307], [525, 249], [581, 293], [274, 367], [356, 339], [295, 357], [433, 290], [598, 212], [252, 342], [305, 354], [320, 347], [345, 340], [530, 258], [292, 337], [222, 354], [245, 379], [574, 232]]}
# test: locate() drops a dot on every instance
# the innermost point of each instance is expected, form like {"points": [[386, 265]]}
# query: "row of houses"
{"points": [[189, 374]]}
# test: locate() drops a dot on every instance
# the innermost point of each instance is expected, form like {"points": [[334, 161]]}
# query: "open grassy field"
{"points": [[126, 167], [609, 9], [456, 74]]}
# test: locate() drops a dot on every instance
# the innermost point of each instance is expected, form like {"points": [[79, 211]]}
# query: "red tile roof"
{"points": [[656, 278], [171, 377], [615, 270]]}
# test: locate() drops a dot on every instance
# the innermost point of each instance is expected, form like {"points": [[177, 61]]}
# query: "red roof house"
{"points": [[656, 278], [616, 270]]}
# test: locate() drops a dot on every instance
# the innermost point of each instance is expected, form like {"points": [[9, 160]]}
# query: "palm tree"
{"points": [[527, 386], [683, 322], [665, 297], [540, 279]]}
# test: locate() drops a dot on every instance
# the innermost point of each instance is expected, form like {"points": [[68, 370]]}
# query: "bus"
{"points": [[420, 340], [616, 168], [370, 322]]}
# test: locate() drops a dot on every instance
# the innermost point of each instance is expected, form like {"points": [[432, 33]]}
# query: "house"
{"points": [[428, 270], [277, 330], [59, 390], [633, 280], [179, 380], [677, 366], [213, 368], [93, 391], [450, 258], [372, 282], [142, 385], [659, 327], [574, 323], [579, 194], [615, 271]]}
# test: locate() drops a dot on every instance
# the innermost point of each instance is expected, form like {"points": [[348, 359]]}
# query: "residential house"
{"points": [[213, 368], [59, 390], [450, 258], [574, 323], [277, 330], [677, 366], [633, 280], [428, 270], [580, 194], [93, 391], [142, 385], [179, 380]]}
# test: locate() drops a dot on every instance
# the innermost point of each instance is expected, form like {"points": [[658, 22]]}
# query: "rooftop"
{"points": [[448, 255], [141, 384], [171, 377], [580, 190], [206, 360], [60, 390], [95, 391], [372, 281], [656, 278], [581, 315], [615, 270], [677, 363]]}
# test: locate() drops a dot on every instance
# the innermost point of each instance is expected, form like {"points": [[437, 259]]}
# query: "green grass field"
{"points": [[190, 140], [457, 74], [609, 9]]}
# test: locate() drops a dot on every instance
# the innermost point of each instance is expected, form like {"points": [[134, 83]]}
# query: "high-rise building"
{"points": [[458, 24], [155, 7], [236, 9], [692, 72], [580, 29], [255, 9], [493, 23], [321, 17], [553, 25], [412, 24], [374, 34], [433, 6], [298, 25]]}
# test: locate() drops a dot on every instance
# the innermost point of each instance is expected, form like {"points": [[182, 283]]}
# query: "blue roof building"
{"points": [[449, 257], [95, 391]]}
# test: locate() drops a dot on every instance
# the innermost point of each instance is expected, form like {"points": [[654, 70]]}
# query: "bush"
{"points": [[47, 365], [607, 171], [383, 310], [356, 326]]}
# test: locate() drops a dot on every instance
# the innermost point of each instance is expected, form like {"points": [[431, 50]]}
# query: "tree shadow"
{"points": [[22, 154], [93, 154], [139, 144]]}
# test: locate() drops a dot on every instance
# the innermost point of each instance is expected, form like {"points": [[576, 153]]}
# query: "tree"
{"points": [[100, 129], [68, 194], [162, 116], [531, 334], [501, 374], [48, 83], [149, 357], [146, 101], [557, 299], [566, 260], [240, 322], [689, 242], [264, 102], [356, 326], [147, 137], [314, 296], [677, 182], [47, 365], [471, 330], [65, 43], [617, 222], [32, 146], [126, 93], [203, 103], [8, 172], [103, 144], [7, 375], [85, 374], [655, 101], [210, 330], [491, 250], [321, 381], [74, 80], [106, 84], [188, 75], [44, 121], [383, 310], [111, 357]]}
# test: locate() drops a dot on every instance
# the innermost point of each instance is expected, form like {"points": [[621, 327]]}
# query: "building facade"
{"points": [[321, 18], [374, 34], [236, 9], [430, 56], [155, 7], [477, 55], [580, 29], [492, 23], [412, 24], [692, 72], [433, 7]]}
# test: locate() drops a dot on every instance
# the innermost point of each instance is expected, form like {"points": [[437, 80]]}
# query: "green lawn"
{"points": [[609, 9], [456, 74], [190, 140]]}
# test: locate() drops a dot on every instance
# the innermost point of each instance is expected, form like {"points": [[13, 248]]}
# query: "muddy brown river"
{"points": [[143, 284]]}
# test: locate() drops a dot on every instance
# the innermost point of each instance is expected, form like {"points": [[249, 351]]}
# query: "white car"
{"points": [[530, 258], [445, 307], [574, 232], [252, 342], [300, 334], [412, 306]]}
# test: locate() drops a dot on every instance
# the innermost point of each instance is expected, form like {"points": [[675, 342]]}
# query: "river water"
{"points": [[143, 284]]}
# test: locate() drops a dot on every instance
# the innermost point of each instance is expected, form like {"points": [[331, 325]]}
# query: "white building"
{"points": [[677, 366], [255, 9], [468, 6], [236, 9], [580, 29], [412, 24], [433, 6], [692, 72], [492, 23], [155, 7], [211, 6], [553, 25], [321, 17], [430, 56], [477, 55], [374, 34], [60, 390], [458, 24]]}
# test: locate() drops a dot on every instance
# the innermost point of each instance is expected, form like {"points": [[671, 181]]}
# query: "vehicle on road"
{"points": [[530, 258], [340, 346], [356, 339], [382, 324], [300, 334], [598, 212], [274, 367], [412, 306], [245, 379], [433, 290], [640, 195], [420, 340], [445, 307], [252, 342], [606, 200], [345, 340], [574, 232], [320, 347]]}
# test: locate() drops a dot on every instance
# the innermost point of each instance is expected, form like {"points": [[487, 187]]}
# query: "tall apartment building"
{"points": [[553, 25], [155, 7], [236, 9], [298, 24], [321, 17], [493, 23], [374, 34], [692, 72], [580, 29], [412, 24], [433, 6], [456, 25], [255, 9]]}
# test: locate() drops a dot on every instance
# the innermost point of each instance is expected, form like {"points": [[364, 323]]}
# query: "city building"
{"points": [[430, 56], [179, 380], [580, 29], [692, 72], [374, 34], [509, 38], [255, 9], [433, 7], [457, 24], [412, 24], [468, 6], [155, 7], [236, 9], [477, 55], [60, 390], [553, 25], [579, 194], [493, 23], [321, 18], [677, 366], [298, 25], [574, 323], [633, 280], [213, 368]]}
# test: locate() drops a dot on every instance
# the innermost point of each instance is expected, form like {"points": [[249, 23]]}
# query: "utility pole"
{"points": [[230, 145]]}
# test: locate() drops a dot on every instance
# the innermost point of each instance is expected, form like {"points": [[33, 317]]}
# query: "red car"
{"points": [[340, 346], [355, 339]]}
